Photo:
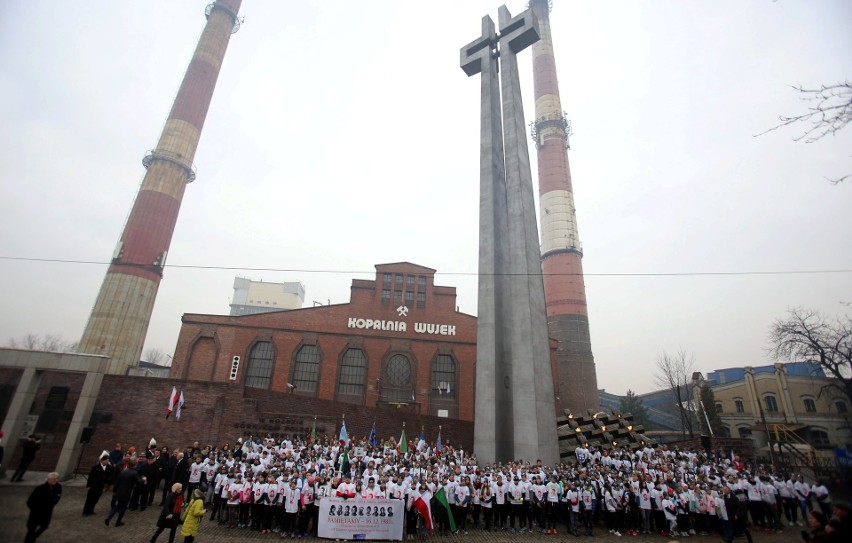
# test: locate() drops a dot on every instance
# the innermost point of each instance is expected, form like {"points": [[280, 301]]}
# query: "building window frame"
{"points": [[809, 404], [841, 407], [770, 403], [306, 369], [398, 377], [739, 405], [443, 374], [352, 376], [260, 365]]}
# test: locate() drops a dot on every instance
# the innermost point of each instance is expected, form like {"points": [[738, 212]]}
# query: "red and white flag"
{"points": [[173, 399], [180, 404], [423, 507]]}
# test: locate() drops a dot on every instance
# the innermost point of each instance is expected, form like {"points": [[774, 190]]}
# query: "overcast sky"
{"points": [[344, 134]]}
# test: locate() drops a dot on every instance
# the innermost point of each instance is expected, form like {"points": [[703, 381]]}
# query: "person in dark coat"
{"points": [[99, 477], [124, 484], [41, 503], [31, 446], [170, 515], [168, 472]]}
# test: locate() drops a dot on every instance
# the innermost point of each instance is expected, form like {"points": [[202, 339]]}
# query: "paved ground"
{"points": [[69, 526]]}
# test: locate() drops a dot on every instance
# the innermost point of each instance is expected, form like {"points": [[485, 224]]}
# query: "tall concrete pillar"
{"points": [[561, 250], [119, 320], [515, 415]]}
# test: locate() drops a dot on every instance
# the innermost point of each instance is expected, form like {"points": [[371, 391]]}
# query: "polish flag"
{"points": [[179, 407], [173, 399], [423, 507]]}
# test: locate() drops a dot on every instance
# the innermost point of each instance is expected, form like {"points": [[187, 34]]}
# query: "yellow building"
{"points": [[791, 402]]}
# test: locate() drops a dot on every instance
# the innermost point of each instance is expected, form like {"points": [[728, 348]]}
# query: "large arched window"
{"points": [[443, 381], [353, 368], [818, 437], [739, 407], [398, 383], [259, 368], [841, 407], [810, 405], [306, 369]]}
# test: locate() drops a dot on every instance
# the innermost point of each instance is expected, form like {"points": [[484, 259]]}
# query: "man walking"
{"points": [[31, 445], [99, 477], [41, 503], [124, 484]]}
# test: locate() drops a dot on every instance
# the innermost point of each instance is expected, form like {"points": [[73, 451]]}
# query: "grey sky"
{"points": [[343, 134]]}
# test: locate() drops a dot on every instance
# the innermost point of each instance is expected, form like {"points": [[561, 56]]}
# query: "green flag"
{"points": [[402, 446], [344, 462], [314, 433], [441, 496]]}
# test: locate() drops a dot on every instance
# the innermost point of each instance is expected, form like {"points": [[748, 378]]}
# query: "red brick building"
{"points": [[399, 341]]}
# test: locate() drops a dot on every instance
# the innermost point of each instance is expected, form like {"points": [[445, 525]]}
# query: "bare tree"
{"points": [[808, 336], [829, 111], [674, 373], [50, 342], [156, 356]]}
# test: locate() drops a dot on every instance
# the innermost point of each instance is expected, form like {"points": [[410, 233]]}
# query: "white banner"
{"points": [[361, 519]]}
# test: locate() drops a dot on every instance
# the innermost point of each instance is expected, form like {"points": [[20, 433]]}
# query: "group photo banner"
{"points": [[361, 519]]}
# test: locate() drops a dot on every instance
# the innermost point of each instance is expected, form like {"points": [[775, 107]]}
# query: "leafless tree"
{"points": [[674, 373], [156, 356], [809, 336], [50, 342], [829, 110]]}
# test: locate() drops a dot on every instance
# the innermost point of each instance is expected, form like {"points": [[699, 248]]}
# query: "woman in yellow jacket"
{"points": [[194, 513]]}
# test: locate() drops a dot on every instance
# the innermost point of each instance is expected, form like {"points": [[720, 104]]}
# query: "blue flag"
{"points": [[373, 440]]}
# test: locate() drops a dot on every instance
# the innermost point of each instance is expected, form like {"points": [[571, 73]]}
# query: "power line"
{"points": [[352, 272]]}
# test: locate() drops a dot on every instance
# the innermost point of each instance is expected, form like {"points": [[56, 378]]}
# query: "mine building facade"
{"points": [[400, 341]]}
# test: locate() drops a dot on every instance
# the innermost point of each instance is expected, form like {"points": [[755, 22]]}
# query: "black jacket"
{"points": [[43, 499], [168, 509], [124, 484], [100, 477]]}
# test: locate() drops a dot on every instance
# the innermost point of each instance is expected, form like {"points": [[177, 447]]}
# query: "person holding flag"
{"points": [[421, 443], [373, 439], [419, 502], [439, 448], [344, 436], [402, 446]]}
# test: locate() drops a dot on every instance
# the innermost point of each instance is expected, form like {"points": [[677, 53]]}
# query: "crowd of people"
{"points": [[276, 486]]}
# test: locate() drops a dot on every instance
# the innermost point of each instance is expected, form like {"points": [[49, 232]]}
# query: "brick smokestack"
{"points": [[561, 250], [119, 320]]}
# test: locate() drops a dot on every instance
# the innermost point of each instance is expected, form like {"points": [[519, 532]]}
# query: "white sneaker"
{"points": [[616, 532]]}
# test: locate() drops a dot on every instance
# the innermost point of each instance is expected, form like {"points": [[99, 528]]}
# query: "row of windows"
{"points": [[770, 405], [396, 384], [409, 280], [815, 436]]}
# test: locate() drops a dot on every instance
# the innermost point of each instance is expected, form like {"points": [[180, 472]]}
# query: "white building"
{"points": [[251, 297]]}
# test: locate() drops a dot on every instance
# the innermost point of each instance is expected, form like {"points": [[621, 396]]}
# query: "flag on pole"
{"points": [[180, 404], [344, 437], [314, 432], [441, 496], [173, 398], [373, 440], [344, 463], [440, 446], [424, 508], [421, 443], [402, 446]]}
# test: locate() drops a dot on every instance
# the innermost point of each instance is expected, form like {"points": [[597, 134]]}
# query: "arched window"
{"points": [[819, 437], [770, 404], [739, 406], [353, 368], [719, 408], [259, 369], [443, 383], [744, 432], [306, 369], [810, 405], [397, 385], [841, 406]]}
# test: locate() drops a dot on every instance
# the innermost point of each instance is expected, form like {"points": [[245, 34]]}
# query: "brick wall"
{"points": [[131, 410]]}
